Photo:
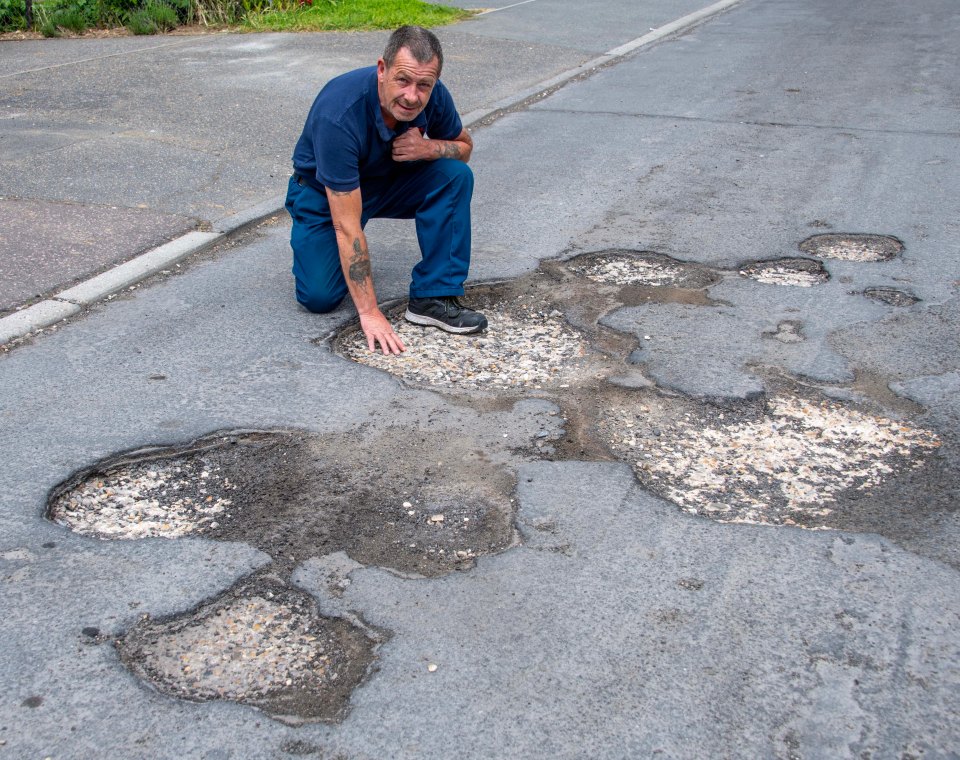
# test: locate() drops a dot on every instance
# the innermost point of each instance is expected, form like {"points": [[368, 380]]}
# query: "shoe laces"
{"points": [[454, 301]]}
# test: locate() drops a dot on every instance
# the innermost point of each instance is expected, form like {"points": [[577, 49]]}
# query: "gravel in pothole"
{"points": [[147, 499], [524, 347], [620, 267], [789, 465], [297, 495], [891, 296], [852, 247], [266, 647], [803, 273]]}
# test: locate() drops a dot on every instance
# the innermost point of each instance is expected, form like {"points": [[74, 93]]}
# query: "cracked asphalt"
{"points": [[607, 619]]}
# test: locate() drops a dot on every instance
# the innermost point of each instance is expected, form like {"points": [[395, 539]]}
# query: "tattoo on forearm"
{"points": [[339, 192], [359, 269], [450, 150]]}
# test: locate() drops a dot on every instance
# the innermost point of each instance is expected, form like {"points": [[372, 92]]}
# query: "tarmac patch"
{"points": [[262, 645], [852, 247]]}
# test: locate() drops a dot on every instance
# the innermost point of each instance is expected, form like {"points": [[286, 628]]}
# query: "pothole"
{"points": [[144, 499], [544, 333], [852, 247], [787, 463], [261, 644], [524, 347], [296, 495], [891, 296], [621, 267], [803, 273]]}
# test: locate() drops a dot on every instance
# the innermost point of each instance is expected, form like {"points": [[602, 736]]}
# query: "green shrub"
{"points": [[13, 15], [140, 22], [156, 16], [69, 19]]}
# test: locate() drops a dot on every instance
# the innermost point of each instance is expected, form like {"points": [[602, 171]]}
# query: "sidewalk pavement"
{"points": [[114, 147]]}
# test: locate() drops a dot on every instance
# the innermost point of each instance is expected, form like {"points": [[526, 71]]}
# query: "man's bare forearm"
{"points": [[451, 149], [355, 261]]}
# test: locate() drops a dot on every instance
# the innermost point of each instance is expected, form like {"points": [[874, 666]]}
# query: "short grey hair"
{"points": [[422, 44]]}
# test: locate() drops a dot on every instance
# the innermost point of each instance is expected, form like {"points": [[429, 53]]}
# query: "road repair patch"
{"points": [[260, 644]]}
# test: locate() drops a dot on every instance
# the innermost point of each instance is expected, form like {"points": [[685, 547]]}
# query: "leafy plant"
{"points": [[69, 19], [156, 16], [13, 15]]}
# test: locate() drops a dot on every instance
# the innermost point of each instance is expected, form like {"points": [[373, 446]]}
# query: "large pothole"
{"points": [[525, 347], [544, 335], [296, 495], [260, 644], [787, 461], [852, 246]]}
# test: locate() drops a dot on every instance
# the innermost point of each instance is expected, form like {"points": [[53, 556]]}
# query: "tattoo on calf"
{"points": [[359, 270], [339, 192]]}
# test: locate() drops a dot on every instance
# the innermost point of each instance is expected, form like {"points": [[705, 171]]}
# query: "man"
{"points": [[385, 141]]}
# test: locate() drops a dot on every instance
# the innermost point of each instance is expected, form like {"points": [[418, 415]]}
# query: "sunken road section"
{"points": [[793, 458], [296, 495], [261, 644]]}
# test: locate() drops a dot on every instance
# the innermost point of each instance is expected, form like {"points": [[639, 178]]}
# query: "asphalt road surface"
{"points": [[721, 524]]}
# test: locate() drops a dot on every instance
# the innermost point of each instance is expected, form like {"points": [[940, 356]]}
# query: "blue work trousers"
{"points": [[436, 194]]}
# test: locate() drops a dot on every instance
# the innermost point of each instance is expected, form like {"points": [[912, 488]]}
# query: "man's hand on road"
{"points": [[378, 330]]}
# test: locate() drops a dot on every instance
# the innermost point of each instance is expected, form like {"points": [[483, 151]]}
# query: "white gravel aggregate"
{"points": [[523, 348], [629, 270], [792, 462], [244, 649], [164, 499]]}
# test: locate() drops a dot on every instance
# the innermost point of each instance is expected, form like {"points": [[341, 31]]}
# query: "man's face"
{"points": [[405, 87]]}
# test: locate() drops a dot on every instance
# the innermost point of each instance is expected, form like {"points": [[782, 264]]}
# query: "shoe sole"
{"points": [[420, 319]]}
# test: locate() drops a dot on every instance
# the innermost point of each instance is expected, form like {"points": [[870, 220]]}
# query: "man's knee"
{"points": [[318, 303], [459, 173]]}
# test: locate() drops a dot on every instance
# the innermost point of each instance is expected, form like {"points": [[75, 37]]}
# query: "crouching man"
{"points": [[385, 141]]}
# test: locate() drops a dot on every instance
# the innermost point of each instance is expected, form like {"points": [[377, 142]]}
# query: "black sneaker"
{"points": [[445, 312]]}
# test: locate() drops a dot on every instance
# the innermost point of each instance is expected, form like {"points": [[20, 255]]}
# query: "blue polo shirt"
{"points": [[345, 139]]}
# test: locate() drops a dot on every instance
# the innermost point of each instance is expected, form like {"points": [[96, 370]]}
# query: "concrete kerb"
{"points": [[70, 302]]}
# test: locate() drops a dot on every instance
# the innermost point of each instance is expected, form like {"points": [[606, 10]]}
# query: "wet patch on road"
{"points": [[801, 273], [261, 644], [852, 247]]}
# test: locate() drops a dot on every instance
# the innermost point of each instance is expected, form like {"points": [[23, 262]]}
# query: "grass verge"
{"points": [[344, 15]]}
